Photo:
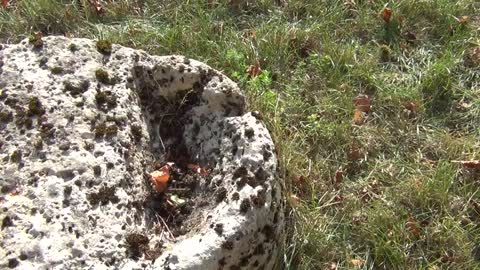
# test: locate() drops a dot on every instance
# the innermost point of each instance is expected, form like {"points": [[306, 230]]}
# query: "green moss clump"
{"points": [[76, 89], [104, 46], [6, 116], [36, 40], [385, 54], [104, 130], [72, 47], [57, 70], [136, 132], [35, 107], [39, 144], [103, 77], [106, 97], [22, 119], [16, 156], [101, 98]]}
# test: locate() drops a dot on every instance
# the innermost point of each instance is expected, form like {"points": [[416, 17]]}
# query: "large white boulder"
{"points": [[82, 123]]}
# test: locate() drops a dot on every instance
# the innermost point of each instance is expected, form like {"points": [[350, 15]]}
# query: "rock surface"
{"points": [[83, 122]]}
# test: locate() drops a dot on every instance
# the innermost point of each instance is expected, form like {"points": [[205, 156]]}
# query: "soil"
{"points": [[182, 207]]}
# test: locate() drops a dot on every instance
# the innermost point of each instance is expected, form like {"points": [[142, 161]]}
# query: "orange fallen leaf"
{"points": [[358, 118], [469, 164], [363, 103], [356, 262], [160, 178], [387, 14], [198, 169], [463, 20]]}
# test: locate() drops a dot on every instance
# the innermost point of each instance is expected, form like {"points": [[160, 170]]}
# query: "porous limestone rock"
{"points": [[83, 122]]}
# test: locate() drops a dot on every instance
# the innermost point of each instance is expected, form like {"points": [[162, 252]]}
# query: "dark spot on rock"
{"points": [[245, 205], [269, 232], [259, 250], [221, 194], [103, 77], [219, 228], [57, 70], [261, 175], [97, 170], [242, 182], [103, 196], [72, 47], [259, 200], [137, 244], [242, 171], [23, 256], [76, 88], [235, 196], [12, 263], [103, 130], [16, 156], [222, 262], [6, 116], [249, 133], [64, 146], [136, 132], [67, 191], [227, 245], [7, 222]]}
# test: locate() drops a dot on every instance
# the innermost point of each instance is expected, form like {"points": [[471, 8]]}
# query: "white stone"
{"points": [[50, 218]]}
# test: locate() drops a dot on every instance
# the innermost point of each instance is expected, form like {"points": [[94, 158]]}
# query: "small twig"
{"points": [[166, 226]]}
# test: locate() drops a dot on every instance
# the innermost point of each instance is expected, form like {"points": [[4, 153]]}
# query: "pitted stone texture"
{"points": [[75, 149]]}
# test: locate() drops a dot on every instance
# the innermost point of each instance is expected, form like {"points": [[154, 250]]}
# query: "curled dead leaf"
{"points": [[160, 178], [354, 152], [200, 170], [387, 14], [363, 103], [254, 70], [413, 227], [356, 262], [463, 20]]}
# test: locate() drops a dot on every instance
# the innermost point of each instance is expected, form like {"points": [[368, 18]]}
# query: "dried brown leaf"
{"points": [[363, 103], [160, 178], [358, 118], [469, 164], [387, 14]]}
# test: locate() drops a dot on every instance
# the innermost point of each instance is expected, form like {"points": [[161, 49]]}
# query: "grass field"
{"points": [[370, 110]]}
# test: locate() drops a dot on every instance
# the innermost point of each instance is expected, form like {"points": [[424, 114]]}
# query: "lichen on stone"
{"points": [[104, 46]]}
